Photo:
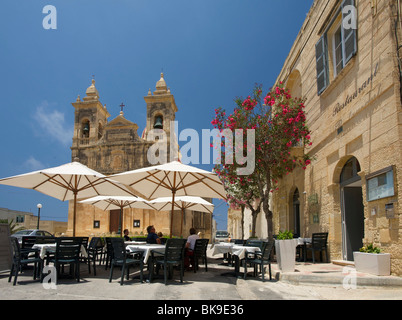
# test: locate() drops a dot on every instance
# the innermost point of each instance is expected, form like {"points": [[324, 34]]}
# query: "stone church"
{"points": [[115, 146]]}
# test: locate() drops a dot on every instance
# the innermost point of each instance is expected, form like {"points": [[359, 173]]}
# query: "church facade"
{"points": [[115, 146]]}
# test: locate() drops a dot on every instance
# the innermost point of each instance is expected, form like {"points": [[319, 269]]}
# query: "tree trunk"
{"points": [[267, 210], [243, 207], [254, 222], [254, 215]]}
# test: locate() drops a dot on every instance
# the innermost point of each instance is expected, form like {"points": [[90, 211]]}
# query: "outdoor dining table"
{"points": [[146, 248], [303, 243], [44, 248], [238, 251]]}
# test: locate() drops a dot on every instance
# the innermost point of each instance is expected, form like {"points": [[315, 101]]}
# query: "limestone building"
{"points": [[27, 220], [346, 63], [115, 146]]}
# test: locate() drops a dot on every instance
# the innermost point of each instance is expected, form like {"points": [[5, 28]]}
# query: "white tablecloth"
{"points": [[301, 241], [52, 246], [234, 249], [134, 242], [146, 248]]}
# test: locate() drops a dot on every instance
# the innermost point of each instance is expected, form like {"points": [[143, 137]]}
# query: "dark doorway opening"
{"points": [[352, 209], [295, 217]]}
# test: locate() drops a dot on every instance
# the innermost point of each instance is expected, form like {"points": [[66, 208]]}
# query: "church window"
{"points": [[100, 131]]}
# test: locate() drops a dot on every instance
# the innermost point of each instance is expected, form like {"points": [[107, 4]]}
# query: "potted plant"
{"points": [[285, 247], [370, 260]]}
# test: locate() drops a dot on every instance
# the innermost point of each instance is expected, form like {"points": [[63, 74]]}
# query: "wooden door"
{"points": [[114, 221]]}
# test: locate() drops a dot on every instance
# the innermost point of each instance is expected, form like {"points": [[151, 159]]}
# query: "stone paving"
{"points": [[320, 281]]}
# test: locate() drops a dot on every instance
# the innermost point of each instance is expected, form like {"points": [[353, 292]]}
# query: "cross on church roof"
{"points": [[121, 107]]}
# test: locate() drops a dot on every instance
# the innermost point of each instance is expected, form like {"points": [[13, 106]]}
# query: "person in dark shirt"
{"points": [[126, 237], [152, 237]]}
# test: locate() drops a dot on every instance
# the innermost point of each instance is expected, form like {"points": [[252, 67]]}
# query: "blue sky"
{"points": [[211, 51]]}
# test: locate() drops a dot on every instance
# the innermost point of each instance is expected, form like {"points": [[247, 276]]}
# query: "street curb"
{"points": [[338, 280]]}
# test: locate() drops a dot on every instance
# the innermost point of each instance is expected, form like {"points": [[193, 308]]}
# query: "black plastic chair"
{"points": [[120, 259], [109, 252], [319, 243], [260, 259], [102, 250], [47, 240], [173, 256], [84, 243], [27, 242], [67, 253], [200, 252], [20, 259], [239, 241], [94, 250], [254, 243]]}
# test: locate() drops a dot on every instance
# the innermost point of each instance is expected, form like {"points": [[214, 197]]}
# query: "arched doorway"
{"points": [[294, 219], [352, 209]]}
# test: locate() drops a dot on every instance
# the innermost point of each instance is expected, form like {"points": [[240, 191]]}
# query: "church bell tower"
{"points": [[89, 123], [161, 114]]}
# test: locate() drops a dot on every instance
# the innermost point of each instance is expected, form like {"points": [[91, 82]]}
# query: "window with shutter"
{"points": [[349, 40], [337, 45], [321, 61]]}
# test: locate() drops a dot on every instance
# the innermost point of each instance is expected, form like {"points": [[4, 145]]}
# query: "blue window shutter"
{"points": [[321, 55], [349, 36]]}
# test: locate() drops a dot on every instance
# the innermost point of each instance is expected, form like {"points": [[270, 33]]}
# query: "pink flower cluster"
{"points": [[280, 125], [249, 104]]}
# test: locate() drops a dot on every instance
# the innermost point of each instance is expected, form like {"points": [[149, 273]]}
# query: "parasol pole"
{"points": [[121, 213], [75, 212], [171, 214], [173, 195], [181, 225]]}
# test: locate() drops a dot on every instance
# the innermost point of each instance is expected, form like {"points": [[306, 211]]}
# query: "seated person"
{"points": [[126, 237], [152, 237], [190, 247]]}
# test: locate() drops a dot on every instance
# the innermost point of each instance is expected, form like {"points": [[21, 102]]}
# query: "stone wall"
{"points": [[357, 115]]}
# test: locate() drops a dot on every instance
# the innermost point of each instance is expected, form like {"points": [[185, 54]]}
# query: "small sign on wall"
{"points": [[380, 184]]}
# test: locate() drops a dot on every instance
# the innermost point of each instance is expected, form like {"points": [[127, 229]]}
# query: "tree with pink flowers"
{"points": [[280, 126]]}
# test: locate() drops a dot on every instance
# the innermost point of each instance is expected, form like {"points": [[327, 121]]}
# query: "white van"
{"points": [[222, 236]]}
